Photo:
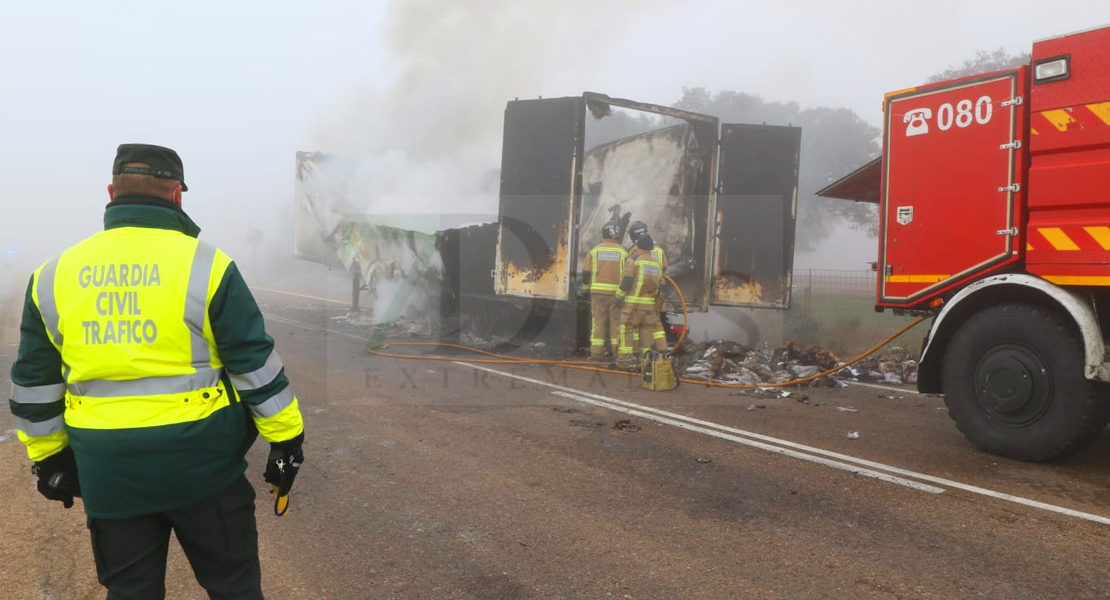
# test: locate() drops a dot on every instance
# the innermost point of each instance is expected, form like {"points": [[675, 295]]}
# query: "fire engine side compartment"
{"points": [[952, 184], [1069, 171]]}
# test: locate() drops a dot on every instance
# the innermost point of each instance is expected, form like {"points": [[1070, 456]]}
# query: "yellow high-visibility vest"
{"points": [[135, 337]]}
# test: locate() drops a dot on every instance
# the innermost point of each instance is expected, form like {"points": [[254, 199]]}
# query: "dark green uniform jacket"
{"points": [[128, 472]]}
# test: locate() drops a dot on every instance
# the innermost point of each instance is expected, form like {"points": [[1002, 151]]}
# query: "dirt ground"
{"points": [[444, 480]]}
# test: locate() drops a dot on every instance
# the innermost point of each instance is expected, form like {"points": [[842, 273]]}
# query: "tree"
{"points": [[983, 62], [835, 141]]}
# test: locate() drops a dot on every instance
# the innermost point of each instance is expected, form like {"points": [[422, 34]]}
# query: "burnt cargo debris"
{"points": [[731, 363]]}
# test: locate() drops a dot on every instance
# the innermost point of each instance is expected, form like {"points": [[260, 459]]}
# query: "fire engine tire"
{"points": [[1013, 383]]}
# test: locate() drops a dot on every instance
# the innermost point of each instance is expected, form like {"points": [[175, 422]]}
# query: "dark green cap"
{"points": [[164, 162]]}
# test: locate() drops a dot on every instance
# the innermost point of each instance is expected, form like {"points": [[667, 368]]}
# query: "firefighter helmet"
{"points": [[637, 230], [612, 231]]}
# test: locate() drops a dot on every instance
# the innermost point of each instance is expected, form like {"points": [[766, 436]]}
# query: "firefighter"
{"points": [[634, 232], [144, 374], [601, 275], [640, 285]]}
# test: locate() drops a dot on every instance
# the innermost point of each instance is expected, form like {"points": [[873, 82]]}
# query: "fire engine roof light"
{"points": [[1056, 68]]}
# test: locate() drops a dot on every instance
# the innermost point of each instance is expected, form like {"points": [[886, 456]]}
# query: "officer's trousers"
{"points": [[219, 537], [606, 323], [644, 321]]}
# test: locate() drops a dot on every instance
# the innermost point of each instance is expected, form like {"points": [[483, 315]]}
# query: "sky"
{"points": [[418, 87]]}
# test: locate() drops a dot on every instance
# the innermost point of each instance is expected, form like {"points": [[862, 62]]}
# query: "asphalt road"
{"points": [[445, 480]]}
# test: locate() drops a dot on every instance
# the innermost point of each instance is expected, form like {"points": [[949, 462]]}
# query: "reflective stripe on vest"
{"points": [[196, 302], [609, 287], [205, 377], [641, 265], [48, 308]]}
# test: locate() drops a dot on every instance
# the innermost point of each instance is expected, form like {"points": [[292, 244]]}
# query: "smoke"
{"points": [[393, 299], [431, 132]]}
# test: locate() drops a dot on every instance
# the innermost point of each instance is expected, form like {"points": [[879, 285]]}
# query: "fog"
{"points": [[413, 91]]}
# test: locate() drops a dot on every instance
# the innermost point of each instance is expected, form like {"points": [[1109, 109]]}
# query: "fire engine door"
{"points": [[952, 185], [541, 178], [757, 201]]}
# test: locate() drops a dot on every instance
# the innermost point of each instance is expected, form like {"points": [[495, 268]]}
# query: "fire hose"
{"points": [[581, 365]]}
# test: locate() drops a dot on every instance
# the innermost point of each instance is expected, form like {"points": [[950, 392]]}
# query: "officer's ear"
{"points": [[111, 193], [177, 195]]}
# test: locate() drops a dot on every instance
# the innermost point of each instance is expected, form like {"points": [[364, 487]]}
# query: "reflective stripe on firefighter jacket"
{"points": [[645, 269], [128, 369], [605, 263]]}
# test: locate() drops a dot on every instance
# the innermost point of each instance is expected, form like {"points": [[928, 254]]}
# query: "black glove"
{"points": [[283, 463], [58, 477]]}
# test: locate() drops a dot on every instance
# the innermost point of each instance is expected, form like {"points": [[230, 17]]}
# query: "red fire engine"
{"points": [[994, 196]]}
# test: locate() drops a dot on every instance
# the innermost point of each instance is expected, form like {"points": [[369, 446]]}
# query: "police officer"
{"points": [[640, 285], [144, 374], [601, 276]]}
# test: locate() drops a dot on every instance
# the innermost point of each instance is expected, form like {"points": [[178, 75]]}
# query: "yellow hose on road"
{"points": [[581, 365]]}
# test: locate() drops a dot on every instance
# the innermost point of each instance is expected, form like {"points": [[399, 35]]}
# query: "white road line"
{"points": [[776, 449], [885, 387], [255, 287], [842, 457], [323, 330]]}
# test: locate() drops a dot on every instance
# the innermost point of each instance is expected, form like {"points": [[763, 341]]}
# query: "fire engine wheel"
{"points": [[1013, 383]]}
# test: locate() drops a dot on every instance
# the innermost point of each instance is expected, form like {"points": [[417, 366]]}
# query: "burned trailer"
{"points": [[720, 200]]}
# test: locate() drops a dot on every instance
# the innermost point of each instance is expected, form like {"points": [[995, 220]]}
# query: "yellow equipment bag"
{"points": [[658, 371]]}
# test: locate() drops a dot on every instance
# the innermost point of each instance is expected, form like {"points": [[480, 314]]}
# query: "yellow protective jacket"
{"points": [[605, 262], [142, 348], [643, 276]]}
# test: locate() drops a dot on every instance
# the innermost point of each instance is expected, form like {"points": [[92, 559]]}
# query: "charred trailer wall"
{"points": [[470, 307], [468, 255]]}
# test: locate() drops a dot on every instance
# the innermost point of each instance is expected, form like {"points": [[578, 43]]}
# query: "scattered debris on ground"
{"points": [[564, 409], [853, 435], [847, 409], [764, 392], [701, 460], [731, 363], [626, 425], [587, 424]]}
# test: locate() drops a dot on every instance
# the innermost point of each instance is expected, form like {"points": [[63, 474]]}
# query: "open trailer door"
{"points": [[757, 201], [540, 181]]}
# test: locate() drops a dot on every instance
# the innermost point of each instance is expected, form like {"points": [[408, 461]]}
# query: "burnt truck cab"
{"points": [[994, 218]]}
